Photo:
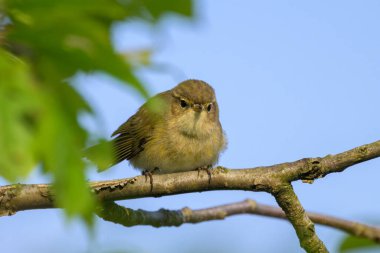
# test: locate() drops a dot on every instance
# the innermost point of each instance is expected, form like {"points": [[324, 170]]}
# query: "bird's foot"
{"points": [[149, 173], [208, 169]]}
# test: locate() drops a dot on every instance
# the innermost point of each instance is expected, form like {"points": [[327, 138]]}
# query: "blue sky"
{"points": [[294, 79]]}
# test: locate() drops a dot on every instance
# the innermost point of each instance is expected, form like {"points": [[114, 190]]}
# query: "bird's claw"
{"points": [[208, 169], [149, 173]]}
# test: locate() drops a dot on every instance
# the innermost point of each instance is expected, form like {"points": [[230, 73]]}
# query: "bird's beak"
{"points": [[197, 107]]}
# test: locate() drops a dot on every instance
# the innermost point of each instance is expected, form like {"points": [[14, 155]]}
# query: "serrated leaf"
{"points": [[42, 47], [64, 37]]}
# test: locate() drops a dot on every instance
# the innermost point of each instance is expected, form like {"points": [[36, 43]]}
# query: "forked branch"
{"points": [[274, 179]]}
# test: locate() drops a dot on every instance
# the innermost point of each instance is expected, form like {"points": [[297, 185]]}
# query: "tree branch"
{"points": [[110, 211], [288, 201], [20, 197], [272, 179]]}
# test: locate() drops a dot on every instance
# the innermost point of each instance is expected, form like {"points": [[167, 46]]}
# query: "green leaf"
{"points": [[60, 144], [153, 10], [41, 48], [355, 243], [63, 37], [18, 112], [159, 8], [101, 155]]}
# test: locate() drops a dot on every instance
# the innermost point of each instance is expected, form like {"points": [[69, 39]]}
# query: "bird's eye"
{"points": [[183, 103], [209, 107]]}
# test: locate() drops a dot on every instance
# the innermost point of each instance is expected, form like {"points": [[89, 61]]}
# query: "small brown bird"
{"points": [[176, 130]]}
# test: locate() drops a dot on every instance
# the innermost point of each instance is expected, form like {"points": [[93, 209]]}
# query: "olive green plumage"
{"points": [[176, 130]]}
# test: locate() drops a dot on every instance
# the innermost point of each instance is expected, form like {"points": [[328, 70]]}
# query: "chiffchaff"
{"points": [[176, 130]]}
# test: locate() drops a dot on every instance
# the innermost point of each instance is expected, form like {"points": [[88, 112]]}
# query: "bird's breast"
{"points": [[175, 151]]}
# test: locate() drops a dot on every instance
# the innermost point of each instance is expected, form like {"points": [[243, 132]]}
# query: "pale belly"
{"points": [[179, 153]]}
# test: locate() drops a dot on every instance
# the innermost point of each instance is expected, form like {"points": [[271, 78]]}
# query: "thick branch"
{"points": [[272, 179], [166, 218], [19, 197], [288, 201]]}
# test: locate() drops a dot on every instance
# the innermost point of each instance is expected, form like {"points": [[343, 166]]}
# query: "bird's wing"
{"points": [[132, 136]]}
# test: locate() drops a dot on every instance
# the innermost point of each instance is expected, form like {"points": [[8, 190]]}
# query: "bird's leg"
{"points": [[149, 173], [206, 168]]}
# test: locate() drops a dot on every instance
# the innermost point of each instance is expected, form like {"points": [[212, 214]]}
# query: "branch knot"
{"points": [[312, 170]]}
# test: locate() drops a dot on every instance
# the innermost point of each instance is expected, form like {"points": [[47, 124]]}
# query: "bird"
{"points": [[174, 131]]}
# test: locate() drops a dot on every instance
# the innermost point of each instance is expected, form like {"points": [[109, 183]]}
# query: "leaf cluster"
{"points": [[42, 45]]}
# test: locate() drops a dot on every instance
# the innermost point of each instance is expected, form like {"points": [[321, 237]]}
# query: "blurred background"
{"points": [[293, 78]]}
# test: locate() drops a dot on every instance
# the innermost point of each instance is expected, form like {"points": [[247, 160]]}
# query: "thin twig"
{"points": [[113, 212]]}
